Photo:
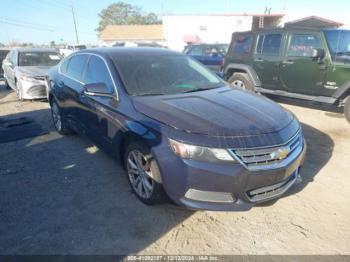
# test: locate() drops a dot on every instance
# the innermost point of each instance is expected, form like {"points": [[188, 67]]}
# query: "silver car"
{"points": [[25, 70]]}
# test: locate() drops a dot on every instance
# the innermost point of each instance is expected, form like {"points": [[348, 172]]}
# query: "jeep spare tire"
{"points": [[241, 81]]}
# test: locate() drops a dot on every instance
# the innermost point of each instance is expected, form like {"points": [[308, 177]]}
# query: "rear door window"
{"points": [[269, 44], [76, 67], [64, 66], [301, 45]]}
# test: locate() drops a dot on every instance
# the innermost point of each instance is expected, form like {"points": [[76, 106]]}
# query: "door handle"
{"points": [[288, 62], [259, 60]]}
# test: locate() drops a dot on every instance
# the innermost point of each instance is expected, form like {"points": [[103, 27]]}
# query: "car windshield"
{"points": [[164, 74], [38, 58], [338, 41]]}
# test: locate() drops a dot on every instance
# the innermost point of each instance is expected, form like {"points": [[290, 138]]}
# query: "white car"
{"points": [[71, 48], [25, 71]]}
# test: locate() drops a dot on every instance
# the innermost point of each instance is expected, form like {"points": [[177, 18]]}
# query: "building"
{"points": [[181, 30], [313, 22], [114, 34], [177, 31]]}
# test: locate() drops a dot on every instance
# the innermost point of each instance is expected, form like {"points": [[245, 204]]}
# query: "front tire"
{"points": [[241, 81], [142, 168], [58, 119], [19, 92], [347, 109]]}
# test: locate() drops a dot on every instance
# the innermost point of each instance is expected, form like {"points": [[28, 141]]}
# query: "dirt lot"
{"points": [[61, 195]]}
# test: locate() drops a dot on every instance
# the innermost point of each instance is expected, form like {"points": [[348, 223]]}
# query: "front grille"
{"points": [[269, 192], [270, 157], [37, 91], [41, 78]]}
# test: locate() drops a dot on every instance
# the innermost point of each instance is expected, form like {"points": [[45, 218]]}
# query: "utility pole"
{"points": [[75, 25]]}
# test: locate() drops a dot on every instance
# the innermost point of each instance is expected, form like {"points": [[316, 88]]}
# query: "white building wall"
{"points": [[209, 29]]}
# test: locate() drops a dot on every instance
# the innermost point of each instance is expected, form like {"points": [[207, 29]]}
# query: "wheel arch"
{"points": [[122, 140], [241, 68], [343, 92]]}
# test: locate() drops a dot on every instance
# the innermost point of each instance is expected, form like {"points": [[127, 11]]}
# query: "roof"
{"points": [[132, 32], [314, 22], [230, 14], [129, 51]]}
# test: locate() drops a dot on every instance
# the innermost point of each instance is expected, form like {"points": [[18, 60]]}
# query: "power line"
{"points": [[3, 21]]}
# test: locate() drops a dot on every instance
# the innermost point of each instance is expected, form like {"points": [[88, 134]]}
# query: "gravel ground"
{"points": [[62, 195]]}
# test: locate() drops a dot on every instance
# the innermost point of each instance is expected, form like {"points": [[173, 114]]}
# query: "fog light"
{"points": [[208, 196]]}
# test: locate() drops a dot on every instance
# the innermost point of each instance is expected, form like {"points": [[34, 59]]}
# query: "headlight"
{"points": [[28, 78], [200, 153]]}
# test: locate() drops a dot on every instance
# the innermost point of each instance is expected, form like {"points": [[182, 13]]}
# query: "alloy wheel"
{"points": [[56, 116], [140, 174]]}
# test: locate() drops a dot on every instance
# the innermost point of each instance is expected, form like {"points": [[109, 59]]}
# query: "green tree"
{"points": [[121, 13], [52, 43]]}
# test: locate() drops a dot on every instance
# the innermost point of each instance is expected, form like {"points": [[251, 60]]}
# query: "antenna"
{"points": [[75, 24]]}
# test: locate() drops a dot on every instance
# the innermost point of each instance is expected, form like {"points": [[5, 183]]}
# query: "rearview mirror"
{"points": [[98, 89]]}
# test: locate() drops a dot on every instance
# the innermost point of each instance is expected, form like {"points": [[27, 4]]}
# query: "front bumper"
{"points": [[33, 90], [201, 185]]}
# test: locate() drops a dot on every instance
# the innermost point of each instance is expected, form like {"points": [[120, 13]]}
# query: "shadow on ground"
{"points": [[61, 195], [4, 91], [319, 150]]}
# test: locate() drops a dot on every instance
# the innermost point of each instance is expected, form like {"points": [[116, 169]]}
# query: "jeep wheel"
{"points": [[241, 81], [347, 109]]}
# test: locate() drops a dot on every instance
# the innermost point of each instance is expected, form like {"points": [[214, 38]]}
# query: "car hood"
{"points": [[217, 112], [34, 70]]}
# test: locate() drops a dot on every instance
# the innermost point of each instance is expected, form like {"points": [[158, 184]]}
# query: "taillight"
{"points": [[222, 61]]}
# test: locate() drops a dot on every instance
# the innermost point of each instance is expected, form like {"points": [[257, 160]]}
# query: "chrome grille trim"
{"points": [[272, 191], [255, 159]]}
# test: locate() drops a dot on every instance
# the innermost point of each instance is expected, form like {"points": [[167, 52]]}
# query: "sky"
{"points": [[43, 21]]}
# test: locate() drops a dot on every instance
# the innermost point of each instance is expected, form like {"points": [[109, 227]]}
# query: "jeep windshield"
{"points": [[164, 75], [338, 42]]}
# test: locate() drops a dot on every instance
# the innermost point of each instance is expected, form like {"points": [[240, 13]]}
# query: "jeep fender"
{"points": [[343, 91], [243, 69]]}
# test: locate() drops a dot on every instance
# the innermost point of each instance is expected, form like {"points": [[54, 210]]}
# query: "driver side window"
{"points": [[97, 72], [301, 45]]}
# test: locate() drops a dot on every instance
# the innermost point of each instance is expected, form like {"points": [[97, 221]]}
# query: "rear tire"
{"points": [[58, 119], [241, 81], [141, 168], [347, 108]]}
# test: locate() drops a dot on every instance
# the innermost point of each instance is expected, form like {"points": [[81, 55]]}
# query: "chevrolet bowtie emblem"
{"points": [[280, 153]]}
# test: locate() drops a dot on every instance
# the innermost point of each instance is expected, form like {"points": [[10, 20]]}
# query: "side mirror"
{"points": [[318, 53], [98, 89]]}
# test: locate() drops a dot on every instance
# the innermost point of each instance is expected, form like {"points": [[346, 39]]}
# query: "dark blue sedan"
{"points": [[177, 128]]}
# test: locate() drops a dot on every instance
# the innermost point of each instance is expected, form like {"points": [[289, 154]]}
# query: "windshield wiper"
{"points": [[201, 89], [151, 94]]}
